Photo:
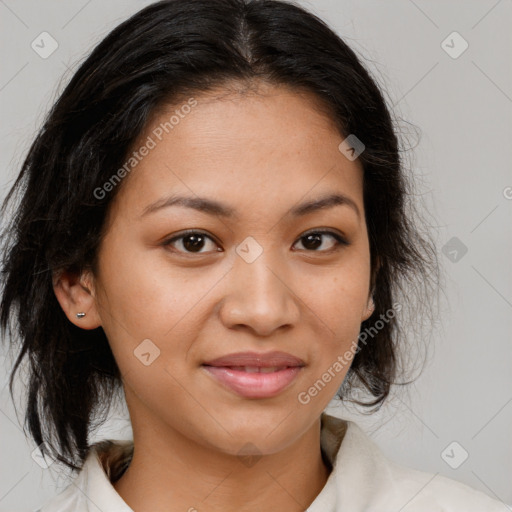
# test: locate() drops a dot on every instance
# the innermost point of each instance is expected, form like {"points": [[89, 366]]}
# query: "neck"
{"points": [[174, 473]]}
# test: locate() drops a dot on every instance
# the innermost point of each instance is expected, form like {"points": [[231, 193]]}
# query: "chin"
{"points": [[257, 432]]}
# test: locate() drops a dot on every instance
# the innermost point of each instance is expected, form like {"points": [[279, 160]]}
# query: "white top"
{"points": [[363, 479]]}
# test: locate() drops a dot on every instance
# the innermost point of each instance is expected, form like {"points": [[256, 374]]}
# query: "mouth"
{"points": [[253, 375], [256, 369]]}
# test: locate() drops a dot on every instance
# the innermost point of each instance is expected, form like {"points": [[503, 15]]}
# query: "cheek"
{"points": [[337, 296], [337, 303], [142, 298], [144, 294]]}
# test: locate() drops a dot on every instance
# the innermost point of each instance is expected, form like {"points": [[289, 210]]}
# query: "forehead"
{"points": [[256, 148]]}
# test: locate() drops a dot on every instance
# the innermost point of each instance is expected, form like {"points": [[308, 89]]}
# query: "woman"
{"points": [[212, 214]]}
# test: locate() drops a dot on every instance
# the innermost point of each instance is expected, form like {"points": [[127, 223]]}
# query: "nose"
{"points": [[260, 297]]}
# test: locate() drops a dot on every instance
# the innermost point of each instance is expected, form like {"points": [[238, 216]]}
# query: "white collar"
{"points": [[362, 480]]}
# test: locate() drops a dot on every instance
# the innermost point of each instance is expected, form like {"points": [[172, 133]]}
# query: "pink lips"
{"points": [[254, 375]]}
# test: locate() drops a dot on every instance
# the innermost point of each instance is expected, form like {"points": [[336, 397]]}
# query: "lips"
{"points": [[255, 375], [257, 369], [255, 360]]}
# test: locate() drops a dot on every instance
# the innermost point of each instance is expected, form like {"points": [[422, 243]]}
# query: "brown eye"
{"points": [[191, 242], [314, 239]]}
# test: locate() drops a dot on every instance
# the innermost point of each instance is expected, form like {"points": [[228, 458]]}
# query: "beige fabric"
{"points": [[362, 479]]}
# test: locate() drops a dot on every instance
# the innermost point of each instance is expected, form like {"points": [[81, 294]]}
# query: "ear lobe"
{"points": [[75, 294]]}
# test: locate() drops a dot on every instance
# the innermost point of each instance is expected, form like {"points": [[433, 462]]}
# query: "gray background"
{"points": [[463, 108]]}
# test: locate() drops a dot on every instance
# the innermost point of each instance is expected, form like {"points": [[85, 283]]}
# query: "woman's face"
{"points": [[221, 334]]}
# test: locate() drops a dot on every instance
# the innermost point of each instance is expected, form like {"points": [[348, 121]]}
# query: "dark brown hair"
{"points": [[166, 51]]}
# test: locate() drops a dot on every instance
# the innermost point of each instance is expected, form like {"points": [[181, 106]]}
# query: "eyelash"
{"points": [[340, 241]]}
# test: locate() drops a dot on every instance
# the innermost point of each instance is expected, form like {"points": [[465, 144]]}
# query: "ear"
{"points": [[375, 272], [370, 308], [75, 293]]}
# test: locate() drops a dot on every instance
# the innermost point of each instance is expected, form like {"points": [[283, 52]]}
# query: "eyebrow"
{"points": [[212, 207]]}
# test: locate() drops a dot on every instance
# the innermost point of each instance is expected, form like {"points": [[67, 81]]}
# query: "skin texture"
{"points": [[262, 154]]}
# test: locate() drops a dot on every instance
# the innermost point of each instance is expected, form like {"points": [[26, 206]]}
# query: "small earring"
{"points": [[80, 315]]}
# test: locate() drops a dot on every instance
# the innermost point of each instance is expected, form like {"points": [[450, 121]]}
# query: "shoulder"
{"points": [[424, 490], [367, 480], [91, 489], [69, 499]]}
